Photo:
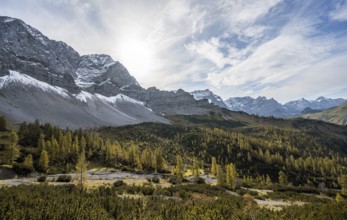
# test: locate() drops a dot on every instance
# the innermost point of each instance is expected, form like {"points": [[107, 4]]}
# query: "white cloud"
{"points": [[242, 14], [248, 11], [316, 81], [292, 55], [209, 50], [254, 31], [340, 14]]}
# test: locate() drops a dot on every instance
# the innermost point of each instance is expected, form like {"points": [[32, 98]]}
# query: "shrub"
{"points": [[119, 183], [185, 195], [198, 180], [41, 179], [173, 180], [155, 180], [22, 169], [147, 191], [163, 192], [64, 178]]}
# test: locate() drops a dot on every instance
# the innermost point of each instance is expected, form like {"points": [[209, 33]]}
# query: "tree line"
{"points": [[255, 156]]}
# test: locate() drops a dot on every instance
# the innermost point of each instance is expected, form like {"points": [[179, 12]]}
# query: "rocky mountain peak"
{"points": [[23, 29], [91, 68], [258, 106], [25, 49], [297, 106], [321, 98], [270, 107], [96, 60], [99, 73], [261, 98], [210, 96]]}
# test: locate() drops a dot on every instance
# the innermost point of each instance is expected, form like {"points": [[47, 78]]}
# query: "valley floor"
{"points": [[106, 177]]}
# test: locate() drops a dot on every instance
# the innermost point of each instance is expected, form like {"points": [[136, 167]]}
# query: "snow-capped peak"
{"points": [[321, 98], [15, 77], [210, 96], [201, 94]]}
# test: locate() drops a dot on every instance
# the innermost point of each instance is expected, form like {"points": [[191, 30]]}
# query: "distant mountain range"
{"points": [[268, 107]]}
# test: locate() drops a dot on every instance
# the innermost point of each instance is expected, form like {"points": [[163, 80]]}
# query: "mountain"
{"points": [[24, 98], [48, 80], [210, 96], [309, 110], [25, 49], [260, 106], [101, 74], [337, 115], [270, 107], [297, 106]]}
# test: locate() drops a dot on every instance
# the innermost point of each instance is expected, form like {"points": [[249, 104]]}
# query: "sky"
{"points": [[282, 49]]}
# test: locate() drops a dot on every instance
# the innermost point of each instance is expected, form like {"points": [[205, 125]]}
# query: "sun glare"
{"points": [[137, 55]]}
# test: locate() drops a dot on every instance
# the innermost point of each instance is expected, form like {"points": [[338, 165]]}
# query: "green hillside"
{"points": [[337, 115], [293, 160]]}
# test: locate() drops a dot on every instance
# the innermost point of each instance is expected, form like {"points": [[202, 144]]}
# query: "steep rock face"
{"points": [[169, 102], [210, 96], [179, 102], [259, 106], [99, 73], [25, 49]]}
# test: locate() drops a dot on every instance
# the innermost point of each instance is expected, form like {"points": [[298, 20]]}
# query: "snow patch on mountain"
{"points": [[84, 96], [7, 20], [118, 98], [200, 94], [15, 77], [124, 87]]}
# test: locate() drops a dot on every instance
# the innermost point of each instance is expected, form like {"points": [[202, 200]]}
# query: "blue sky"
{"points": [[285, 49]]}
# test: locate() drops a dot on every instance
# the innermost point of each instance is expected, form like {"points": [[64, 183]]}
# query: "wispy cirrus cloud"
{"points": [[340, 14]]}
